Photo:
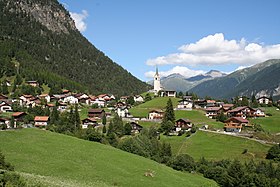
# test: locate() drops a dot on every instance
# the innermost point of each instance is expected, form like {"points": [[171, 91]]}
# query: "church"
{"points": [[158, 87]]}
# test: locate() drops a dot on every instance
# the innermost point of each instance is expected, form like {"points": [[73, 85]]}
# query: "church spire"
{"points": [[157, 71]]}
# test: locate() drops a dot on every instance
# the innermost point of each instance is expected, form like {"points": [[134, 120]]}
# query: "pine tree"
{"points": [[54, 117], [104, 120], [169, 113], [77, 120], [127, 129]]}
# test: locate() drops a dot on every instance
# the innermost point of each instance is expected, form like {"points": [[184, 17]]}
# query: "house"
{"points": [[235, 124], [124, 99], [41, 121], [243, 111], [70, 99], [120, 104], [212, 112], [187, 97], [185, 105], [182, 124], [46, 97], [33, 83], [210, 103], [96, 112], [5, 107], [82, 98], [259, 112], [227, 107], [89, 122], [122, 111], [264, 100], [156, 114], [138, 98], [200, 103], [135, 127], [170, 93], [62, 107], [18, 117]]}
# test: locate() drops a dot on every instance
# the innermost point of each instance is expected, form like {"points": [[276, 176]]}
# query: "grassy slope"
{"points": [[142, 110], [196, 116], [216, 146], [271, 123], [76, 162]]}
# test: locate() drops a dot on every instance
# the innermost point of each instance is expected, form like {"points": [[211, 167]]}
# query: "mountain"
{"points": [[40, 38], [260, 79], [178, 82], [208, 75]]}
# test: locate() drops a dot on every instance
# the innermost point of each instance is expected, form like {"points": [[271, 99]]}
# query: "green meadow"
{"points": [[270, 124], [215, 146], [52, 159]]}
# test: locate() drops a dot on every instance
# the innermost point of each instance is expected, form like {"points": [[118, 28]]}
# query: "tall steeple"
{"points": [[157, 86]]}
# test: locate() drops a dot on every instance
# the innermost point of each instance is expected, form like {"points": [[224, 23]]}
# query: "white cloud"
{"points": [[216, 50], [186, 72], [79, 19]]}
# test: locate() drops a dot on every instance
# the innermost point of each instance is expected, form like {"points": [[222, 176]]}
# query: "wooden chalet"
{"points": [[135, 127], [87, 122], [96, 112], [41, 121], [185, 104], [212, 112], [264, 100], [32, 83], [243, 111], [156, 114], [182, 124], [235, 124]]}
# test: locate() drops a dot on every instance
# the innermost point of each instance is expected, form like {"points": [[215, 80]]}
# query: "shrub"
{"points": [[182, 162]]}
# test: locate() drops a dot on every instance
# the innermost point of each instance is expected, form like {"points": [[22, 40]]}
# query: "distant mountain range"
{"points": [[179, 82], [260, 79]]}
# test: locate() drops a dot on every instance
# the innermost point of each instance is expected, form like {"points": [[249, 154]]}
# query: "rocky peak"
{"points": [[51, 14]]}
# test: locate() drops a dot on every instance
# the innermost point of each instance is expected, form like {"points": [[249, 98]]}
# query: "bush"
{"points": [[274, 153], [269, 114], [182, 162]]}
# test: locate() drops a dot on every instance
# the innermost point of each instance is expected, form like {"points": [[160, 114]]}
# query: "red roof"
{"points": [[41, 118], [156, 111], [16, 114]]}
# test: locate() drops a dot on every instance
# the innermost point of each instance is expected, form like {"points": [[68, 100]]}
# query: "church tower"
{"points": [[157, 82]]}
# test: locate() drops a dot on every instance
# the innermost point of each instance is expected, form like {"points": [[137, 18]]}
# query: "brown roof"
{"points": [[95, 110], [213, 108], [41, 118], [16, 114], [238, 119], [184, 119], [238, 109], [90, 119], [156, 111]]}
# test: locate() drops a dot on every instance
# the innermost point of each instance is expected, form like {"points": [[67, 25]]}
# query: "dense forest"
{"points": [[39, 41]]}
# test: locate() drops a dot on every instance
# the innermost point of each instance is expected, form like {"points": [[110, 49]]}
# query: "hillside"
{"points": [[215, 146], [248, 81], [41, 35], [75, 162]]}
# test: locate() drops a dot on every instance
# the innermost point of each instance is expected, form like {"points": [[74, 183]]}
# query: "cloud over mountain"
{"points": [[79, 19], [216, 50]]}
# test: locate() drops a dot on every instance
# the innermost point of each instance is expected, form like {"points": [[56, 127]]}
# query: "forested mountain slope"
{"points": [[41, 36]]}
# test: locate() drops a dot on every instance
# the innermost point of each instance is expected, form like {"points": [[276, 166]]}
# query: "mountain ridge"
{"points": [[56, 49]]}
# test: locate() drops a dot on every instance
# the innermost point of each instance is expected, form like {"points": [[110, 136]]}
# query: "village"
{"points": [[94, 108]]}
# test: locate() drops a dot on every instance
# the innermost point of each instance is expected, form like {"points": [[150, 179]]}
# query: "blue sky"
{"points": [[180, 36]]}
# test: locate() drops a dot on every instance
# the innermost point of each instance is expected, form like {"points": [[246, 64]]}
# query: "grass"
{"points": [[214, 146], [270, 124], [46, 89], [198, 118], [6, 115], [60, 160]]}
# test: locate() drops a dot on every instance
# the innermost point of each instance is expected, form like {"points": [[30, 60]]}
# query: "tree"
{"points": [[116, 126], [4, 89], [274, 153], [127, 129], [130, 100], [104, 120], [147, 97], [254, 101], [168, 118], [169, 112], [180, 94], [54, 116], [77, 120], [182, 162], [12, 122]]}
